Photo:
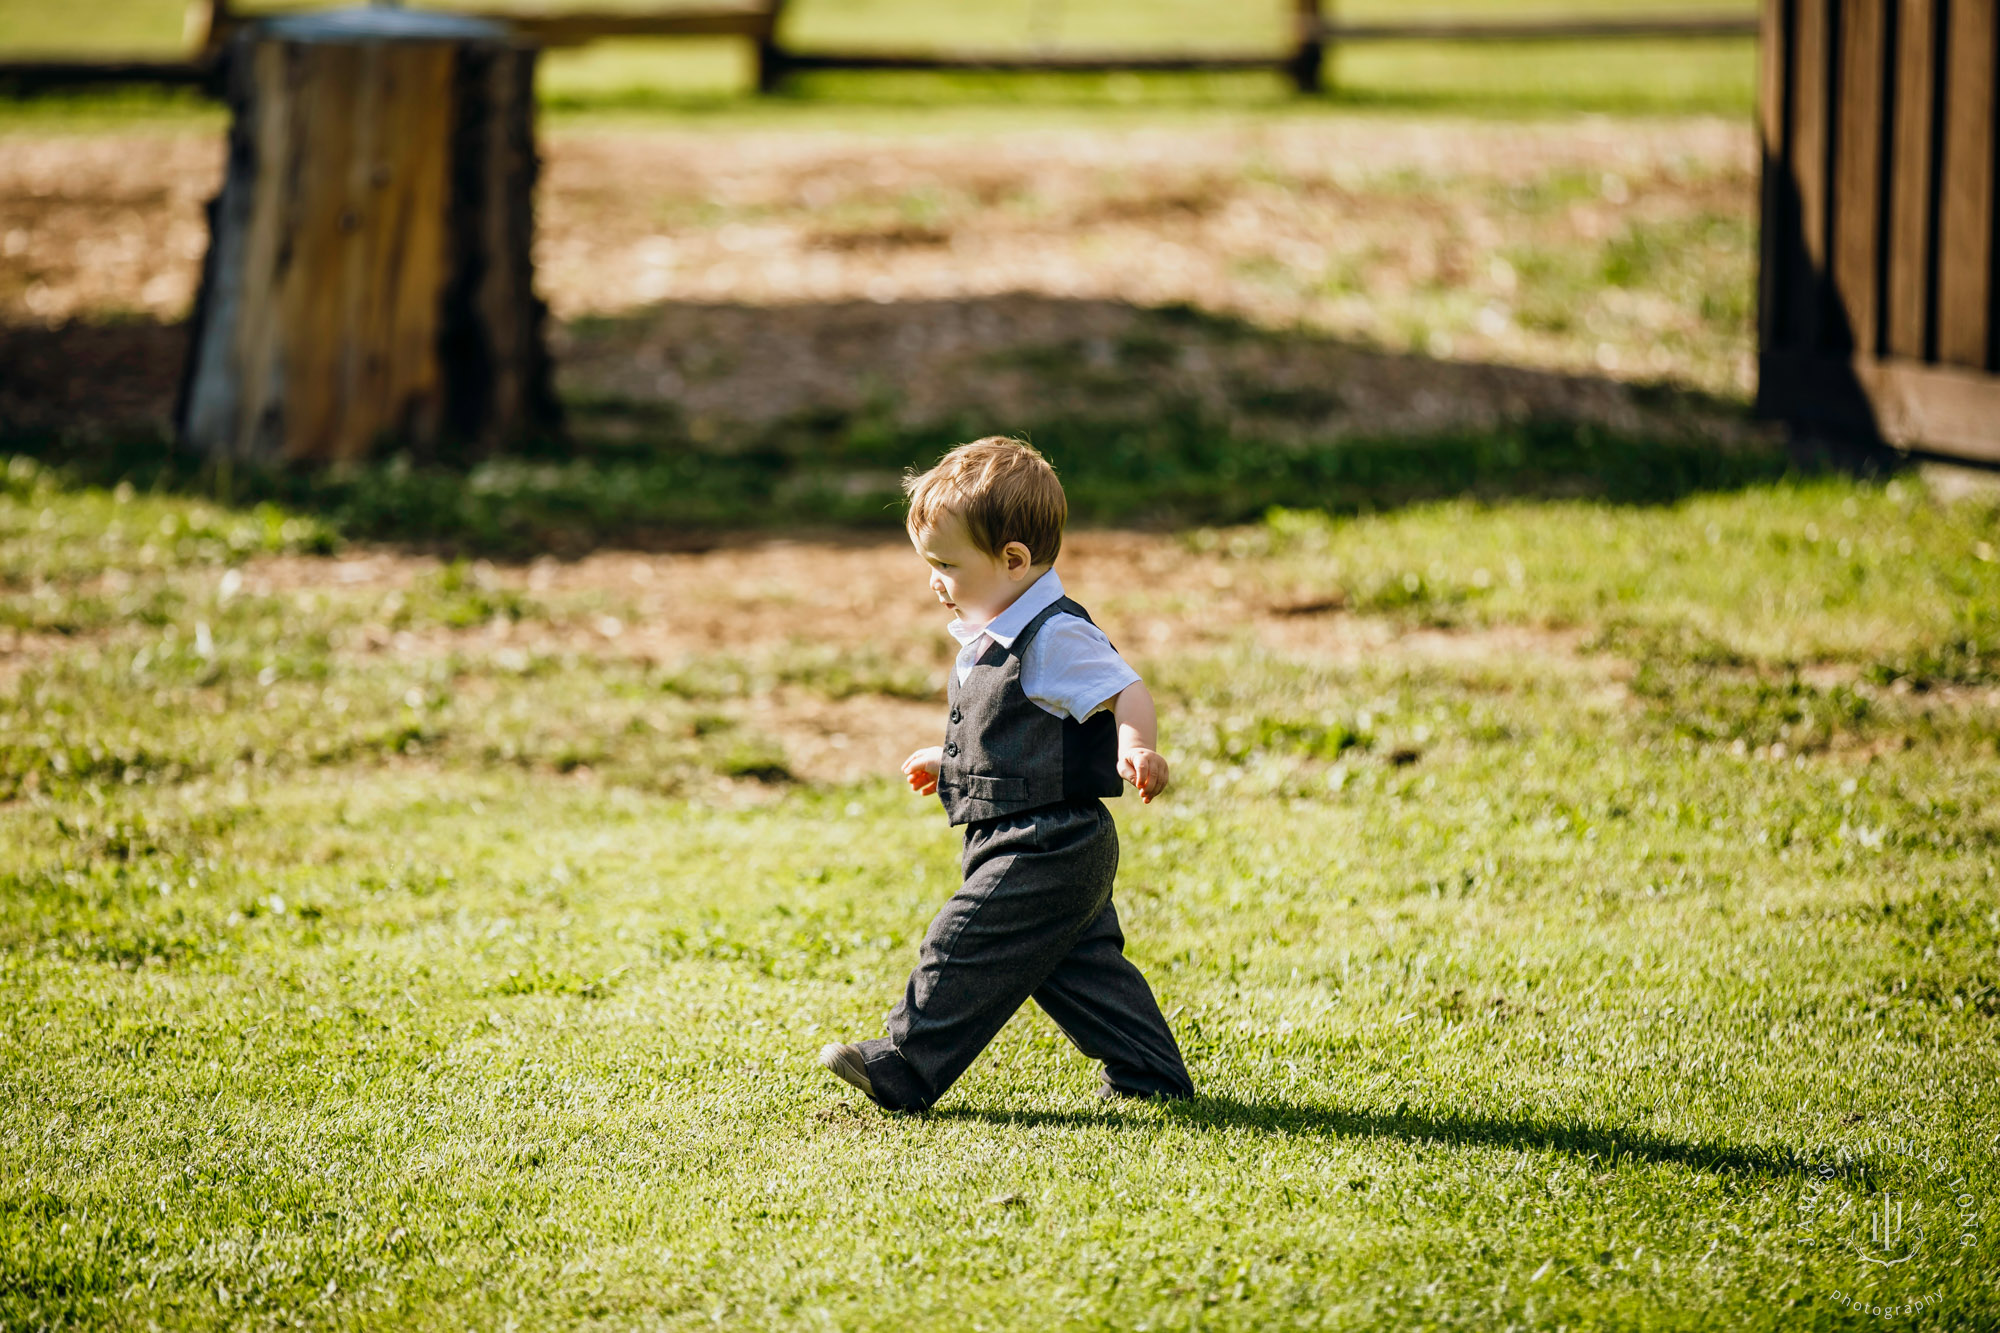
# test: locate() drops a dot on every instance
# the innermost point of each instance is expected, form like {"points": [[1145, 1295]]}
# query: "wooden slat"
{"points": [[78, 72], [1883, 223], [1907, 299], [1810, 121], [1078, 62], [574, 27], [1775, 189], [1932, 409], [577, 27], [1937, 409], [1965, 223], [1857, 174], [1544, 29]]}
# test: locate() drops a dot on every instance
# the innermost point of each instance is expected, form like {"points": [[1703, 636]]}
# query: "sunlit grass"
{"points": [[1789, 574], [354, 982]]}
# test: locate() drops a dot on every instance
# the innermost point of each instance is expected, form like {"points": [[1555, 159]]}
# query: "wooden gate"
{"points": [[1877, 299]]}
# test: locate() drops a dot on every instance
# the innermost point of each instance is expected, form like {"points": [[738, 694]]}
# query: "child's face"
{"points": [[972, 583]]}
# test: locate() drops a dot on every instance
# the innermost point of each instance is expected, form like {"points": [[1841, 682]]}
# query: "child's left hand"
{"points": [[920, 770], [1144, 769]]}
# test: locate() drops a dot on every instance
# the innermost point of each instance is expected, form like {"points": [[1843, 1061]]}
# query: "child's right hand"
{"points": [[921, 770]]}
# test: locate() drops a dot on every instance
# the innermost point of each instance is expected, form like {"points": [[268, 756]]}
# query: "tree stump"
{"points": [[368, 279]]}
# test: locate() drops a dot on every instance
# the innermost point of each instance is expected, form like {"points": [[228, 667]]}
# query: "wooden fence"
{"points": [[1879, 301], [1315, 33]]}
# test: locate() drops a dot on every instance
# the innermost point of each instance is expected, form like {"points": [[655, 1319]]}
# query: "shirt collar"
{"points": [[1004, 628]]}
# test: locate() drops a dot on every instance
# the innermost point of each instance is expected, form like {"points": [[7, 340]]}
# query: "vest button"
{"points": [[951, 748], [957, 716]]}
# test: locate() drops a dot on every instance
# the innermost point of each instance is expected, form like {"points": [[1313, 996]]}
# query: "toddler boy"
{"points": [[1046, 719]]}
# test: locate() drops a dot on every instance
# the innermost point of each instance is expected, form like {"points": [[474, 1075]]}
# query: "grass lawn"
{"points": [[1576, 914]]}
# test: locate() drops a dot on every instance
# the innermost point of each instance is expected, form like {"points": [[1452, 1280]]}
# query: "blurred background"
{"points": [[1662, 75], [1462, 264]]}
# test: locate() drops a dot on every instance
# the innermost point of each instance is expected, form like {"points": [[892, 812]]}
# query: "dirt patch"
{"points": [[103, 226], [851, 592], [1357, 228], [845, 740], [753, 599], [1010, 360], [20, 651], [759, 603], [1517, 270]]}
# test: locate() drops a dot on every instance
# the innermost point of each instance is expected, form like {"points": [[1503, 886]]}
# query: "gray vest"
{"points": [[1003, 753]]}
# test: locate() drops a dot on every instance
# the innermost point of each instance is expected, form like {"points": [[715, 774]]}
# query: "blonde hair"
{"points": [[1003, 489]]}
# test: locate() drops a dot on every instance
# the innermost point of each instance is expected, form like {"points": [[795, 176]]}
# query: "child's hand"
{"points": [[921, 770], [1144, 769]]}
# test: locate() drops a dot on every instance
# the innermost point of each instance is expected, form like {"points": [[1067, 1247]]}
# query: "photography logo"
{"points": [[1894, 1220], [1891, 1240]]}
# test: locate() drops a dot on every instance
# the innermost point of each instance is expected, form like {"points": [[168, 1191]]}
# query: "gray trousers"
{"points": [[1033, 919]]}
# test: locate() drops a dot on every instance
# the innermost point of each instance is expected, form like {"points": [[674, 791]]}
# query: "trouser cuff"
{"points": [[1165, 1088], [896, 1085]]}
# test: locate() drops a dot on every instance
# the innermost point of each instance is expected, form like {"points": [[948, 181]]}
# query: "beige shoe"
{"points": [[848, 1066]]}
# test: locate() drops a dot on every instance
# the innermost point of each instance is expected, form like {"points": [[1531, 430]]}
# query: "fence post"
{"points": [[1308, 56], [770, 56], [205, 27]]}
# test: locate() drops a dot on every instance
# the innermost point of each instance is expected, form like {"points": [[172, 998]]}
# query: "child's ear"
{"points": [[1018, 557]]}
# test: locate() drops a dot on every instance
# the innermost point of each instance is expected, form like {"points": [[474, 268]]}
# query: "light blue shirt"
{"points": [[1070, 668]]}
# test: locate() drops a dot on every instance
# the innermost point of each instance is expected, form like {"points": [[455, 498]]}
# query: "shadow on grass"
{"points": [[685, 421], [1584, 1141]]}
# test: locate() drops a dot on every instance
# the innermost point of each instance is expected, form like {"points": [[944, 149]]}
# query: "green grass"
{"points": [[632, 473], [1524, 990]]}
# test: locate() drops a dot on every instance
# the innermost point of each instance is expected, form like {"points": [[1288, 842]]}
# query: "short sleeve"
{"points": [[1070, 668]]}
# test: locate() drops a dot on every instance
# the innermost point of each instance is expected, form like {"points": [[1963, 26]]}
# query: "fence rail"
{"points": [[1541, 29], [1316, 34], [577, 27], [77, 72]]}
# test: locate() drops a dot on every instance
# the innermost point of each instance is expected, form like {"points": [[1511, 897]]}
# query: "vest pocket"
{"points": [[984, 787]]}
